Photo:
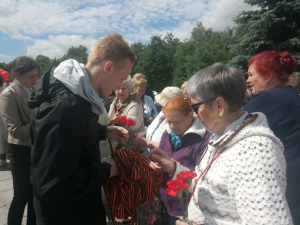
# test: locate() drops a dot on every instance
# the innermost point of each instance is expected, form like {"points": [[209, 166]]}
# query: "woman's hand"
{"points": [[117, 133], [181, 222], [163, 160], [115, 119], [155, 167], [139, 141], [150, 119]]}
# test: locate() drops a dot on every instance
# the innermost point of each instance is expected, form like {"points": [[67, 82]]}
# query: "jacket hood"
{"points": [[197, 128], [71, 76], [255, 126]]}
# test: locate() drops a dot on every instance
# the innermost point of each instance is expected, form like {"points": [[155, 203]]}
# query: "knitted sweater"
{"points": [[247, 182]]}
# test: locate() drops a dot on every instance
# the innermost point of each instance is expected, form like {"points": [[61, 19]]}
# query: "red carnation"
{"points": [[171, 192], [186, 175], [176, 186], [130, 122], [122, 120]]}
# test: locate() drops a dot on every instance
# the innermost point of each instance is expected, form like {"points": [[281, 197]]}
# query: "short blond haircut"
{"points": [[111, 47], [137, 74], [139, 82]]}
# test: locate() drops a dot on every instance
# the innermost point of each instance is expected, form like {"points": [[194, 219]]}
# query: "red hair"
{"points": [[271, 63], [177, 104]]}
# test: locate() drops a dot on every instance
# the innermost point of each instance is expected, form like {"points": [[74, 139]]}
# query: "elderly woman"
{"points": [[139, 76], [268, 72], [16, 116], [185, 140], [151, 138], [241, 177], [127, 104], [183, 88], [150, 112]]}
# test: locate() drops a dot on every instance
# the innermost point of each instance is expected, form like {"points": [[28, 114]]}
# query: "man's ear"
{"points": [[108, 66]]}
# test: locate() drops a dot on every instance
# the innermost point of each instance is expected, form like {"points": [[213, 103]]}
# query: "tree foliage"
{"points": [[273, 26]]}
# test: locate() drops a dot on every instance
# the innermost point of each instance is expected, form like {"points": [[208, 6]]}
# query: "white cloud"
{"points": [[220, 13], [5, 58], [66, 22], [57, 46]]}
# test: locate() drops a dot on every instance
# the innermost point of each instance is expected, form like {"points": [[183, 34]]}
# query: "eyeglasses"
{"points": [[196, 106], [31, 77]]}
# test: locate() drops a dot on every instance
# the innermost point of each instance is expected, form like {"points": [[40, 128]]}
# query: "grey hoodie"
{"points": [[75, 77]]}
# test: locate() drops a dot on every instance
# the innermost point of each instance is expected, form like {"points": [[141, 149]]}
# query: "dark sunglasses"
{"points": [[196, 106]]}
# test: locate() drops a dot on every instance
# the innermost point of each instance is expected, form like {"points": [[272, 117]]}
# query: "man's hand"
{"points": [[163, 160], [113, 168], [117, 133]]}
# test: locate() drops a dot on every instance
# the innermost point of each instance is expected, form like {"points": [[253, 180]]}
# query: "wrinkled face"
{"points": [[185, 93], [140, 90], [257, 83], [115, 79], [30, 78], [178, 122], [208, 115], [122, 92]]}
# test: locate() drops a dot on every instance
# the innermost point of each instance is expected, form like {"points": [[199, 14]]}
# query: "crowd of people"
{"points": [[62, 127]]}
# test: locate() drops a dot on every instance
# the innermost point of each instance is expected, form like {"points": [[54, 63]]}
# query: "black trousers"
{"points": [[23, 191]]}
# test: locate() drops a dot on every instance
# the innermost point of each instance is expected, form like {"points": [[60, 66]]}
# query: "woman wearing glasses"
{"points": [[16, 116], [184, 140], [241, 177]]}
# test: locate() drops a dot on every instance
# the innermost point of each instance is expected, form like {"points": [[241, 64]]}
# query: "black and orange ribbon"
{"points": [[136, 184]]}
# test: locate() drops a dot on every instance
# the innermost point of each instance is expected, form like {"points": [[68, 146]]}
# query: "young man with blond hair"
{"points": [[66, 172]]}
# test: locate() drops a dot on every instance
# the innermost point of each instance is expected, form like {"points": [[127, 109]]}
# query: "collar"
{"points": [[231, 127], [25, 88]]}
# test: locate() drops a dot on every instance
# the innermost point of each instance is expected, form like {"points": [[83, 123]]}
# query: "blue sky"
{"points": [[50, 27]]}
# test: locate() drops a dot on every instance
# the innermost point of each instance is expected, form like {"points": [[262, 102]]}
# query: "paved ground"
{"points": [[6, 194]]}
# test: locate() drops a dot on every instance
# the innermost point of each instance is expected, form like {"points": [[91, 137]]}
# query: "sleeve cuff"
{"points": [[178, 169], [101, 131], [106, 166]]}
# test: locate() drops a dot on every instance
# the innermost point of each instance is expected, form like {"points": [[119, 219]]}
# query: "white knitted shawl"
{"points": [[246, 184]]}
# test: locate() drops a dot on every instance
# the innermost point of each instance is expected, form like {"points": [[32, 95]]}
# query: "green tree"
{"points": [[4, 66], [273, 26], [183, 52], [139, 49], [156, 64], [44, 62], [78, 53]]}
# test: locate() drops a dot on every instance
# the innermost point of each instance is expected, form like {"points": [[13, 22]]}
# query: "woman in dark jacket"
{"points": [[268, 72], [185, 141]]}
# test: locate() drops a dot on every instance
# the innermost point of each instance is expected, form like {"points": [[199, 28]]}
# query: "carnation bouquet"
{"points": [[181, 184]]}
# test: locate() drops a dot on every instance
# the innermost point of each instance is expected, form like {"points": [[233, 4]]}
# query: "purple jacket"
{"points": [[193, 144]]}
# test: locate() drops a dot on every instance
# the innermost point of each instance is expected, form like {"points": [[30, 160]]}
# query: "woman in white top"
{"points": [[242, 175]]}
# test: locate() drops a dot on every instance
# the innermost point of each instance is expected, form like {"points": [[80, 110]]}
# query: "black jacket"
{"points": [[66, 173]]}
